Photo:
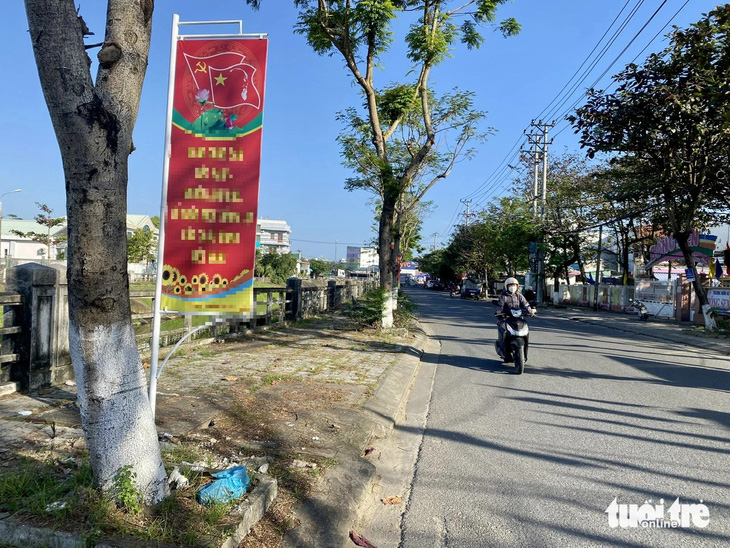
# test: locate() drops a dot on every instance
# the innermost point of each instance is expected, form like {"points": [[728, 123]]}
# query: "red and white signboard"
{"points": [[211, 202]]}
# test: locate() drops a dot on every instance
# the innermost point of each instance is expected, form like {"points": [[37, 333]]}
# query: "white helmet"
{"points": [[511, 284]]}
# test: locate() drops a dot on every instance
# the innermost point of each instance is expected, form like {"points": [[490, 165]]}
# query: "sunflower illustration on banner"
{"points": [[213, 183]]}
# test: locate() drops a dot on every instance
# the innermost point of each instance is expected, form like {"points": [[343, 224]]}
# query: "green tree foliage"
{"points": [[44, 218], [439, 263], [497, 243], [320, 267], [141, 246], [667, 123], [277, 267]]}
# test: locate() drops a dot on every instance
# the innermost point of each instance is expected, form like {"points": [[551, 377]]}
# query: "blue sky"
{"points": [[514, 79]]}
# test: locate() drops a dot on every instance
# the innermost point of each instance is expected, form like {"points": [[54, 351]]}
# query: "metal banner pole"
{"points": [[155, 350]]}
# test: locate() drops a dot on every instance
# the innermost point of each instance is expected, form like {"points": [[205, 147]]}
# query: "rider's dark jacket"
{"points": [[512, 300]]}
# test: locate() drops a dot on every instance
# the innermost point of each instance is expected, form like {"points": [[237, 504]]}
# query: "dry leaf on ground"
{"points": [[392, 500]]}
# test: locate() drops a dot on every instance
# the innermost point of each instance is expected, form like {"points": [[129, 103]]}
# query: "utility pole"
{"points": [[435, 245], [598, 267], [534, 155], [467, 214], [538, 137]]}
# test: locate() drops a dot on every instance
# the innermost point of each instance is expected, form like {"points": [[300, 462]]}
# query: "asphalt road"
{"points": [[538, 459]]}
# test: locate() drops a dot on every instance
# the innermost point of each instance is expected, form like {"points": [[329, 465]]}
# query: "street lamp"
{"points": [[1, 212]]}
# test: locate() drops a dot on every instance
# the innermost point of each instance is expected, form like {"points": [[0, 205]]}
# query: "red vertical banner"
{"points": [[213, 182]]}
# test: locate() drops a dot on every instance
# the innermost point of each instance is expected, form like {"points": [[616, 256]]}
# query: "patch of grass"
{"points": [[142, 286], [267, 381], [215, 512], [66, 499], [184, 453], [405, 315]]}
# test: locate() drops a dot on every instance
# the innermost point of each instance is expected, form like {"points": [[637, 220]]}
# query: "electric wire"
{"points": [[558, 95], [617, 58], [569, 109], [500, 175], [604, 51]]}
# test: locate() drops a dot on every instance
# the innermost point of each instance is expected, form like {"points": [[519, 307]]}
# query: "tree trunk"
{"points": [[93, 125], [682, 241], [386, 262]]}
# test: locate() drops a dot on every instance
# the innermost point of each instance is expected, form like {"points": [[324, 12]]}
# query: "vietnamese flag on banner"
{"points": [[229, 78], [213, 183]]}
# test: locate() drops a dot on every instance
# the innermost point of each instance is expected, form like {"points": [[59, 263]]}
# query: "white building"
{"points": [[143, 222], [271, 234], [24, 248], [362, 257]]}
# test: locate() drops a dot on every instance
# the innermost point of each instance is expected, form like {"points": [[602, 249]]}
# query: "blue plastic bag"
{"points": [[230, 484]]}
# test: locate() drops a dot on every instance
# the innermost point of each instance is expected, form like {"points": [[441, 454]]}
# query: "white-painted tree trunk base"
{"points": [[388, 311], [710, 324], [115, 410]]}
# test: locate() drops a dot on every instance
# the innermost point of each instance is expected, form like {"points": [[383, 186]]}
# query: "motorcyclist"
{"points": [[529, 294], [508, 299]]}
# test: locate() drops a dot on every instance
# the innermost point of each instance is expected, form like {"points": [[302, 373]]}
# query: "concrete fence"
{"points": [[34, 351], [673, 299]]}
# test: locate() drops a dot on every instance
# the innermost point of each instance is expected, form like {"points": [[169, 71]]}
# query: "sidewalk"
{"points": [[666, 330], [315, 391]]}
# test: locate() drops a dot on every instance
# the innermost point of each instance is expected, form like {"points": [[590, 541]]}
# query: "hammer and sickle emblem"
{"points": [[201, 67]]}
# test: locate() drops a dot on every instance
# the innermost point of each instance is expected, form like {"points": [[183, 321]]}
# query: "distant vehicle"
{"points": [[471, 289], [429, 284]]}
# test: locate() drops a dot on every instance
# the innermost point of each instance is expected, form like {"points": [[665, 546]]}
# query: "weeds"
{"points": [[723, 324], [368, 310], [404, 315], [127, 495]]}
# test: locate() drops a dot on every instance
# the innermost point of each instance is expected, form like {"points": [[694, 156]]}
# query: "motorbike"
{"points": [[516, 338], [641, 311], [454, 292]]}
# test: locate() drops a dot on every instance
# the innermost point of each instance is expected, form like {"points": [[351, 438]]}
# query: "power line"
{"points": [[333, 242], [585, 60], [562, 116], [584, 76], [603, 53], [499, 175]]}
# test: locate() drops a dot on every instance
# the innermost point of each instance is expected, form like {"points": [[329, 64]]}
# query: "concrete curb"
{"points": [[327, 517], [253, 509], [16, 533], [8, 388]]}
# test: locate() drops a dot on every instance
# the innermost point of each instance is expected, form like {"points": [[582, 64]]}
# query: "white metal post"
{"points": [[155, 350]]}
